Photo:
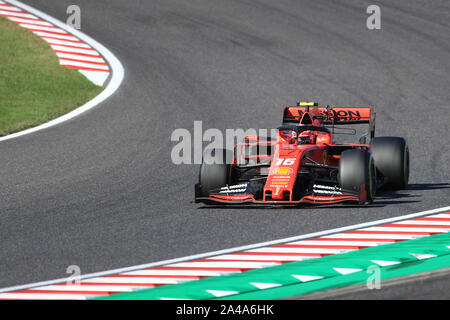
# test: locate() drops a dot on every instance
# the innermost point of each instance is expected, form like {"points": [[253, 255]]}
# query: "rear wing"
{"points": [[331, 115]]}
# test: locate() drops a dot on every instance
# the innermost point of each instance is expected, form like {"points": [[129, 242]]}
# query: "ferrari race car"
{"points": [[304, 164]]}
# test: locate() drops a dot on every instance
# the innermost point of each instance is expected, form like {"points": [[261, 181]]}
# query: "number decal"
{"points": [[285, 161]]}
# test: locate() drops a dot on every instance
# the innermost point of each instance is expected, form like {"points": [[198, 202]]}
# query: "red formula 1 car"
{"points": [[303, 163]]}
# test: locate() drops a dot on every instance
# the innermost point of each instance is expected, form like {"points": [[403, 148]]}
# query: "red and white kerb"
{"points": [[72, 52]]}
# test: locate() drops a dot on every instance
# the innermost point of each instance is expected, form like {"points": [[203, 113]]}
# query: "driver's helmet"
{"points": [[290, 135], [305, 137]]}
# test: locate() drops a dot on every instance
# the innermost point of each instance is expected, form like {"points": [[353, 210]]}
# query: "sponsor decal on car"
{"points": [[234, 189], [341, 115], [283, 171], [243, 185], [280, 177], [321, 189]]}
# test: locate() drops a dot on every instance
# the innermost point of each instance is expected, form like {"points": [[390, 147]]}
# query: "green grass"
{"points": [[34, 88]]}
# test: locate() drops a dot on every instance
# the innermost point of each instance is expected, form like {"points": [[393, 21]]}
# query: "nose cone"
{"points": [[282, 174]]}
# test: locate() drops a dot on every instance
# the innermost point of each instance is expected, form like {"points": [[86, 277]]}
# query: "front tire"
{"points": [[215, 175], [357, 169]]}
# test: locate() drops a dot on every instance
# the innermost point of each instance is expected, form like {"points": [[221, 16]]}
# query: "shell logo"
{"points": [[283, 171]]}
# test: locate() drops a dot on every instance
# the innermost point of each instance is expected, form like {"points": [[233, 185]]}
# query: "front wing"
{"points": [[243, 194]]}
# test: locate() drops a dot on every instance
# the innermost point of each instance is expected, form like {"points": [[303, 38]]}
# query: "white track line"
{"points": [[144, 280], [65, 62], [356, 243], [30, 21], [16, 14], [44, 296], [247, 257], [408, 229], [424, 222], [442, 215], [199, 273], [87, 288], [117, 71], [7, 7], [66, 43], [40, 28], [89, 52], [378, 236], [337, 232], [300, 250], [58, 36], [78, 57], [231, 264]]}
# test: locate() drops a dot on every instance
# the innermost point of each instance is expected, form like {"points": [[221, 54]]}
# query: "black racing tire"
{"points": [[215, 175], [357, 168], [391, 156]]}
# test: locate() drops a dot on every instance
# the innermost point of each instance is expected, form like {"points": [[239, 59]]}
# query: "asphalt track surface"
{"points": [[101, 192]]}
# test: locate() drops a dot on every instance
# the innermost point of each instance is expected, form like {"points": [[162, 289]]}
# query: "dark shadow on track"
{"points": [[428, 186]]}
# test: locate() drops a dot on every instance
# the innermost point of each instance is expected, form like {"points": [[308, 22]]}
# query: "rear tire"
{"points": [[391, 156], [215, 175], [356, 168]]}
